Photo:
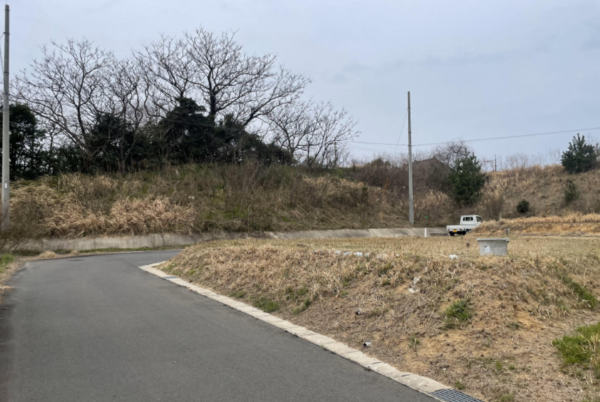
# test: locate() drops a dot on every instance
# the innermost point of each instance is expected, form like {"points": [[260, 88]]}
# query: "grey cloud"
{"points": [[475, 69]]}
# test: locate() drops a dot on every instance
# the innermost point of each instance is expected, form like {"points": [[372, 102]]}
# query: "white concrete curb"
{"points": [[422, 384]]}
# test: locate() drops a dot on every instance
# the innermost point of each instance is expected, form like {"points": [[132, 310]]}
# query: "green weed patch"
{"points": [[583, 348], [457, 312]]}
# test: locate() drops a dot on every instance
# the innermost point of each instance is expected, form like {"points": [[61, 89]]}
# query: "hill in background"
{"points": [[254, 198]]}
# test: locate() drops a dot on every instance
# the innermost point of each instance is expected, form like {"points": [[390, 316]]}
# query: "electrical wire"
{"points": [[375, 143], [401, 131], [366, 149], [484, 139]]}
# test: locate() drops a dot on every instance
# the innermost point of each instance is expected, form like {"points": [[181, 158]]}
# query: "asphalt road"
{"points": [[100, 329]]}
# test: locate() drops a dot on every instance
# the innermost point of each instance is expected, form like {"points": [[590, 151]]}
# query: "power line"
{"points": [[483, 139], [401, 130], [366, 149], [512, 136], [375, 143]]}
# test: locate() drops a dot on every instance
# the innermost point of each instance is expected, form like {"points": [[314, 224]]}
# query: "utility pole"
{"points": [[5, 133], [411, 211]]}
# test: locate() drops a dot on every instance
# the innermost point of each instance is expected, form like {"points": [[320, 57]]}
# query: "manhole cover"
{"points": [[451, 395]]}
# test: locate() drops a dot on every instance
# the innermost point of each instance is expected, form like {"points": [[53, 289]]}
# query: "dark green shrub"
{"points": [[571, 192], [523, 207]]}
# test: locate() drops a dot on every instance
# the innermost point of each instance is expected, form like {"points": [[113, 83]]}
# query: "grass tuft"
{"points": [[583, 348], [267, 305], [458, 311], [5, 259], [238, 294], [583, 294], [303, 307]]}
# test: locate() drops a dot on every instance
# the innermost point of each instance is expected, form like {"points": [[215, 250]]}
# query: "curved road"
{"points": [[98, 328]]}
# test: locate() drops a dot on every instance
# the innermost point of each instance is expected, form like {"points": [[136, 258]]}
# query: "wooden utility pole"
{"points": [[411, 211], [5, 132]]}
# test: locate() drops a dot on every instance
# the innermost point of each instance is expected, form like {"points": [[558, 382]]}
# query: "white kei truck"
{"points": [[467, 223]]}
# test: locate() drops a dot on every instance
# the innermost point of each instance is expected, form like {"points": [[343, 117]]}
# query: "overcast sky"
{"points": [[475, 69]]}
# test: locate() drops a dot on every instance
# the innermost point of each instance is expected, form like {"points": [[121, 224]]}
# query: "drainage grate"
{"points": [[451, 395]]}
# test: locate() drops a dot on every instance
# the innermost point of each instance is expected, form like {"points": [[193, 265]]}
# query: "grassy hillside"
{"points": [[484, 325], [199, 198], [569, 225], [544, 188]]}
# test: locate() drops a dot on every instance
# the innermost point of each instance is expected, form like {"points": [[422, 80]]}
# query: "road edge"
{"points": [[416, 382]]}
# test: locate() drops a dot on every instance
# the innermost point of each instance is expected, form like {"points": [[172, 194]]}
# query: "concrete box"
{"points": [[493, 246]]}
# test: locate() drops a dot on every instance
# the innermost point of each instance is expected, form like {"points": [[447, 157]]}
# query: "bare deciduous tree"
{"points": [[315, 134], [128, 100], [68, 89], [291, 126], [168, 72], [232, 82], [450, 152], [80, 91], [334, 128]]}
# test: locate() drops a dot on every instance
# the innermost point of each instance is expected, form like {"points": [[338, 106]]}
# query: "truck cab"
{"points": [[467, 223]]}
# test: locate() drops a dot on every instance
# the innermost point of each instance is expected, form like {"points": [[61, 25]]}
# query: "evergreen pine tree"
{"points": [[467, 180], [580, 157]]}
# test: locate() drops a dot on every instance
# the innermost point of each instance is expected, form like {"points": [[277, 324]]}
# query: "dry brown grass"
{"points": [[126, 216], [249, 198], [544, 188], [199, 198], [569, 225], [519, 304], [5, 273]]}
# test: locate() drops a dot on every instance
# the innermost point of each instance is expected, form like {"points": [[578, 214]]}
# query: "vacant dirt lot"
{"points": [[482, 324]]}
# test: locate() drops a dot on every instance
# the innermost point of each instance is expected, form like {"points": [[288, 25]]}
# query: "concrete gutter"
{"points": [[175, 240]]}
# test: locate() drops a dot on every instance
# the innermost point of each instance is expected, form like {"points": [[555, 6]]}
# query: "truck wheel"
{"points": [[451, 234]]}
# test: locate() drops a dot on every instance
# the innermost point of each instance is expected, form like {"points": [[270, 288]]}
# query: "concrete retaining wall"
{"points": [[170, 240], [349, 233]]}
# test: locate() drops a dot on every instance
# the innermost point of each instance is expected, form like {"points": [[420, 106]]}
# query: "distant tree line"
{"points": [[198, 98], [451, 168]]}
